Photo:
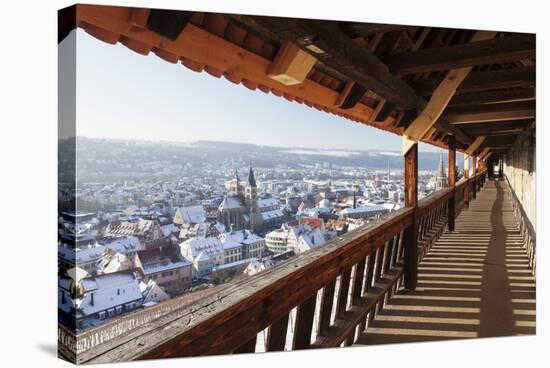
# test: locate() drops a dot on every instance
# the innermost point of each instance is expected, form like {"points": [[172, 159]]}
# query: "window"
{"points": [[119, 309], [111, 312], [129, 306], [101, 315]]}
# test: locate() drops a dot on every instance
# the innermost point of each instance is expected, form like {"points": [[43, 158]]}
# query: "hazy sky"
{"points": [[121, 94]]}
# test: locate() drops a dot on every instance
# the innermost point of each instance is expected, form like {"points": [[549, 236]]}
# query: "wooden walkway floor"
{"points": [[473, 282]]}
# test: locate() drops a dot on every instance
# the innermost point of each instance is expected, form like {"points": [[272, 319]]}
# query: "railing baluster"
{"points": [[343, 293], [247, 347], [358, 282], [326, 308], [276, 336], [377, 270], [394, 250], [304, 323], [400, 248]]}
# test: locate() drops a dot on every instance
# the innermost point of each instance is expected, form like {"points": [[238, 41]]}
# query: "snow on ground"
{"points": [[334, 153]]}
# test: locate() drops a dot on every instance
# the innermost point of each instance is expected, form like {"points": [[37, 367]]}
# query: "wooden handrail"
{"points": [[350, 277], [209, 326], [425, 204]]}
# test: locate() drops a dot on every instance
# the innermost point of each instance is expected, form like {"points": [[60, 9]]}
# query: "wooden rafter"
{"points": [[328, 43], [496, 127], [485, 154], [493, 51], [523, 77], [474, 146], [170, 35], [196, 44], [492, 97], [439, 100], [359, 29], [467, 118], [291, 65]]}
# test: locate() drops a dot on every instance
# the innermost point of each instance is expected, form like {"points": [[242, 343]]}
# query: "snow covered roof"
{"points": [[192, 214], [229, 243], [80, 255], [113, 262], [314, 212], [268, 215], [125, 245], [125, 228], [240, 237], [363, 209], [110, 290], [267, 202], [229, 202], [210, 246], [310, 240], [76, 274], [161, 259], [169, 229]]}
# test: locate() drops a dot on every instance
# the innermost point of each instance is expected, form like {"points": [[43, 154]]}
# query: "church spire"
{"points": [[251, 178], [441, 178]]}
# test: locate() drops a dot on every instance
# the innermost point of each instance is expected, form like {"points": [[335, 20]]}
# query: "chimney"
{"points": [[92, 299]]}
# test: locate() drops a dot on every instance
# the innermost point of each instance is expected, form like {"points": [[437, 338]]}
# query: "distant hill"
{"points": [[108, 155]]}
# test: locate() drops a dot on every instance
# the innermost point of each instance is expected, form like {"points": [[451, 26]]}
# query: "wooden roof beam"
{"points": [[483, 153], [493, 51], [499, 140], [496, 127], [329, 44], [359, 29], [472, 148], [509, 106], [487, 116], [493, 97], [291, 65], [439, 100], [461, 136], [523, 77]]}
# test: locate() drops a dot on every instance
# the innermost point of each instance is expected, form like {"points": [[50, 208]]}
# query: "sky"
{"points": [[121, 94]]}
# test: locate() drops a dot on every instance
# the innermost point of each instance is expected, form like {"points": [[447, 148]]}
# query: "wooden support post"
{"points": [[411, 233], [474, 174], [451, 177], [466, 177]]}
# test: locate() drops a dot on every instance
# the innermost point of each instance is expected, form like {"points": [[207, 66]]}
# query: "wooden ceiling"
{"points": [[376, 74]]}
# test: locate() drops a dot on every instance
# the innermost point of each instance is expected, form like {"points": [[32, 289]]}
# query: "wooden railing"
{"points": [[527, 231], [432, 218], [322, 298]]}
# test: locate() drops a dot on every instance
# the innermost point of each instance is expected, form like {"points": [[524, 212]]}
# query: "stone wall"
{"points": [[520, 169]]}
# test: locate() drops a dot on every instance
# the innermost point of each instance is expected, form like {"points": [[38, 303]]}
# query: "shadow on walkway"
{"points": [[473, 282]]}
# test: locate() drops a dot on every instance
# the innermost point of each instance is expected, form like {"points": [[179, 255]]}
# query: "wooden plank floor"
{"points": [[473, 282]]}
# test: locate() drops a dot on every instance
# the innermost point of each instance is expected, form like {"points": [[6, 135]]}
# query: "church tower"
{"points": [[251, 191], [441, 179], [235, 185], [251, 202]]}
